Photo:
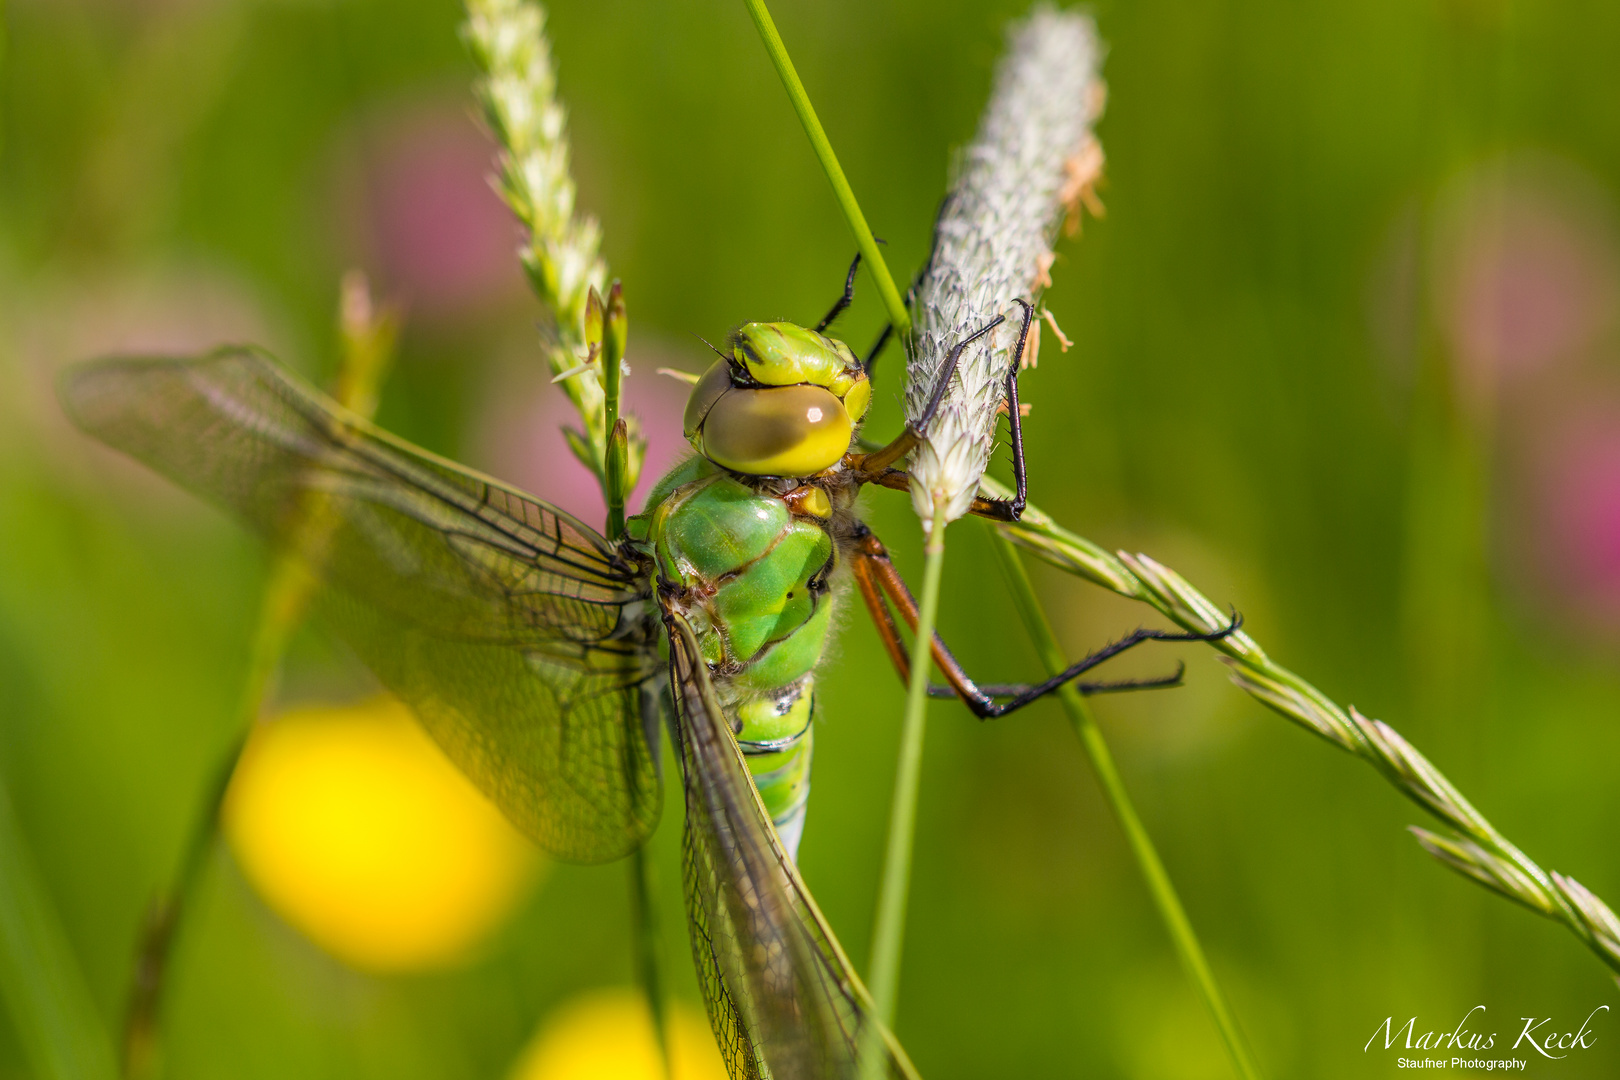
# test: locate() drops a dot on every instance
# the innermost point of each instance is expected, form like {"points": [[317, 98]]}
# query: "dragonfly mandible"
{"points": [[544, 657]]}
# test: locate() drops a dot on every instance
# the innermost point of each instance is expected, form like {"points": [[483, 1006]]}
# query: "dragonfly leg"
{"points": [[843, 301], [876, 467], [1012, 509], [877, 348], [900, 480], [872, 467], [881, 586], [948, 369]]}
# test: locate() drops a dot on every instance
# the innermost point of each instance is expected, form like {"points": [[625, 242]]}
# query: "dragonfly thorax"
{"points": [[785, 401], [751, 568]]}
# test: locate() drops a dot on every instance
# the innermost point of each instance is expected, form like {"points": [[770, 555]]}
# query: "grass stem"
{"points": [[889, 929], [1472, 846], [875, 265], [367, 337], [644, 919], [42, 986], [1174, 916], [614, 456]]}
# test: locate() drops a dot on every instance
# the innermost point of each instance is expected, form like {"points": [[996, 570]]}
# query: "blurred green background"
{"points": [[1344, 355]]}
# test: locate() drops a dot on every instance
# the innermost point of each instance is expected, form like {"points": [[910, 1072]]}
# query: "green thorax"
{"points": [[752, 572], [751, 575]]}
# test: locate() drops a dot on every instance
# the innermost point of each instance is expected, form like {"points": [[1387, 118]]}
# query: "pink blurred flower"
{"points": [[521, 437], [1525, 267], [1575, 507], [438, 235]]}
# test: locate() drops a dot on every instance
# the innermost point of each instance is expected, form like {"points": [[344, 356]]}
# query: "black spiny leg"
{"points": [[948, 369], [880, 585], [877, 348], [843, 301], [874, 468], [1012, 509], [982, 698]]}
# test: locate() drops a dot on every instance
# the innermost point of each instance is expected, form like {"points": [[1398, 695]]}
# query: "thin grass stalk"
{"points": [[367, 337], [889, 928], [643, 890], [586, 347], [888, 934], [1473, 847], [616, 482], [1154, 874], [875, 265], [41, 983], [889, 925], [285, 595]]}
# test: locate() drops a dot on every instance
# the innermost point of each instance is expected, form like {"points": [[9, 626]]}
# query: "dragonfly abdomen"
{"points": [[751, 572]]}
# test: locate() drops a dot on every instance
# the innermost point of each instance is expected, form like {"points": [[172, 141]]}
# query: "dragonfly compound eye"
{"points": [[775, 431], [715, 381]]}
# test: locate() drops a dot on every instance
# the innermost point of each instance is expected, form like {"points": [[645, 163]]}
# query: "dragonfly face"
{"points": [[786, 402]]}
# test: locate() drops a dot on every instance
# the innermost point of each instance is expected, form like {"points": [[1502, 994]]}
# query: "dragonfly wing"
{"points": [[417, 536], [783, 998], [517, 633], [554, 740]]}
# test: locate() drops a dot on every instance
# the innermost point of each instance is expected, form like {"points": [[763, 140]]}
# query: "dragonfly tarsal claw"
{"points": [[1233, 626]]}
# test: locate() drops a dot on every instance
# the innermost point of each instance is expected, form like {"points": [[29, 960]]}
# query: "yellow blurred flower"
{"points": [[608, 1035], [355, 828]]}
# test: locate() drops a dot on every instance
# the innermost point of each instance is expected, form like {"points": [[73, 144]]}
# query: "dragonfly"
{"points": [[545, 658]]}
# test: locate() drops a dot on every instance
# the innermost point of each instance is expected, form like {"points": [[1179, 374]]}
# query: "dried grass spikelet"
{"points": [[1033, 163]]}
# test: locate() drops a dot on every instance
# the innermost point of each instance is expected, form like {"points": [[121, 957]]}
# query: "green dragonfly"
{"points": [[545, 658]]}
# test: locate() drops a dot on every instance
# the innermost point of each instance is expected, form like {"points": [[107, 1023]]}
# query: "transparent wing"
{"points": [[782, 997], [517, 633]]}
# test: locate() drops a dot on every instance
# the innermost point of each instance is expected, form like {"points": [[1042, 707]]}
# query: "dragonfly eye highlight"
{"points": [[775, 431]]}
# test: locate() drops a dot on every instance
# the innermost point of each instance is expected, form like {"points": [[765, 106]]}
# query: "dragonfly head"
{"points": [[784, 402]]}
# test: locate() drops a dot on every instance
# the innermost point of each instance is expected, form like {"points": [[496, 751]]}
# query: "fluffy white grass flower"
{"points": [[1033, 160]]}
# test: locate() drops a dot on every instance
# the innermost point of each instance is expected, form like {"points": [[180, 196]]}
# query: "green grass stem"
{"points": [[1472, 846], [1174, 916], [889, 928], [614, 457], [41, 983], [367, 338], [286, 595], [875, 265], [518, 89], [645, 919]]}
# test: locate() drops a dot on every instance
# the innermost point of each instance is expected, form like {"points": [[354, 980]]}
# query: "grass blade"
{"points": [[898, 315], [1157, 879], [1479, 851], [889, 930], [44, 990]]}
